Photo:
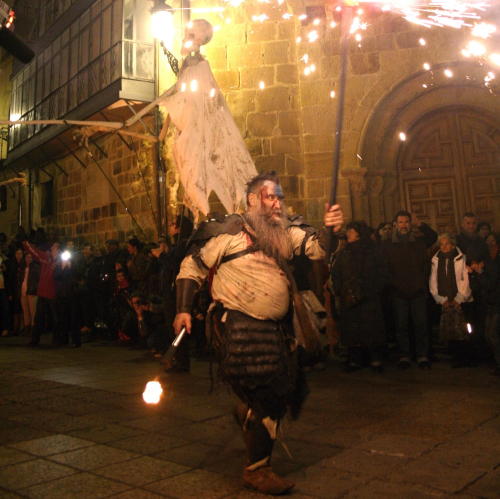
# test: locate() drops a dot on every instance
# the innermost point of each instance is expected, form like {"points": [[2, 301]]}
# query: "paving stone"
{"points": [[435, 475], [364, 463], [10, 409], [29, 473], [383, 490], [488, 486], [54, 421], [93, 457], [396, 445], [468, 455], [142, 470], [51, 445], [328, 484], [252, 494], [79, 486], [103, 434], [13, 431], [10, 495], [195, 455], [189, 485], [136, 494], [148, 443], [12, 456]]}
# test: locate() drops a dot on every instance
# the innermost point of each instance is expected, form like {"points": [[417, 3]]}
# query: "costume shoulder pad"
{"points": [[298, 221], [215, 226]]}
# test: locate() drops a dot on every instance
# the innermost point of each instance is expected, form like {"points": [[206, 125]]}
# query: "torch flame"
{"points": [[152, 393]]}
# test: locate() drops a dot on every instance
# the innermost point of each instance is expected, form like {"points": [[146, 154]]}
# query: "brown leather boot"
{"points": [[266, 481]]}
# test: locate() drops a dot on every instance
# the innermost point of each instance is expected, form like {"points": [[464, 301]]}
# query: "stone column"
{"points": [[390, 187], [376, 185], [358, 187]]}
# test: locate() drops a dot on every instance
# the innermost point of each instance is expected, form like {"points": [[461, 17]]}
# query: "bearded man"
{"points": [[252, 298]]}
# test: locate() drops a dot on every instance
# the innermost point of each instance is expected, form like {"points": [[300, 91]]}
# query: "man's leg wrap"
{"points": [[258, 440]]}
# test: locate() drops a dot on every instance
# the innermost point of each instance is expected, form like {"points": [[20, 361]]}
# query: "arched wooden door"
{"points": [[450, 164]]}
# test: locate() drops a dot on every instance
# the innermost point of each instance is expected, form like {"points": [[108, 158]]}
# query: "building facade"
{"points": [[96, 59]]}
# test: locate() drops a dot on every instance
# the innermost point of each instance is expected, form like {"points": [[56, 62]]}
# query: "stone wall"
{"points": [[289, 125], [88, 208]]}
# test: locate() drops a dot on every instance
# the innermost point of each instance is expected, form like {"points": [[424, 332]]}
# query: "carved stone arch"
{"points": [[449, 165], [406, 105]]}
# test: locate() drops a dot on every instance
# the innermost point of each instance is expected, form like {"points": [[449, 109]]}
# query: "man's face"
{"points": [[270, 199], [70, 246], [403, 224], [87, 251], [469, 225], [131, 249], [119, 277]]}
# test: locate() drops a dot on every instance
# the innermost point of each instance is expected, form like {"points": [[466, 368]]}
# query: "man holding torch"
{"points": [[251, 313]]}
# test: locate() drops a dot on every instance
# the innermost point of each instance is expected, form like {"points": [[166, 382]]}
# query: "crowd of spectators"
{"points": [[398, 284], [96, 292]]}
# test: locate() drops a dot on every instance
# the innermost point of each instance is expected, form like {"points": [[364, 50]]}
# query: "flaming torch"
{"points": [[153, 390]]}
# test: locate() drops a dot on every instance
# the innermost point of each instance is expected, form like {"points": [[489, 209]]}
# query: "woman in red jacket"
{"points": [[46, 292]]}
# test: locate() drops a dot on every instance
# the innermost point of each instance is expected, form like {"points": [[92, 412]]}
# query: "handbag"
{"points": [[352, 292]]}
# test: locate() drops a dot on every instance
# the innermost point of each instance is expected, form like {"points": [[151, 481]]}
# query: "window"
{"points": [[3, 198], [47, 199]]}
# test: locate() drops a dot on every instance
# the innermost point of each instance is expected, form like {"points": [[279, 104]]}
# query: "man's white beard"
{"points": [[272, 237]]}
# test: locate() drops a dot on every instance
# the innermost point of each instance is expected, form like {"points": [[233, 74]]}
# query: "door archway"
{"points": [[450, 164]]}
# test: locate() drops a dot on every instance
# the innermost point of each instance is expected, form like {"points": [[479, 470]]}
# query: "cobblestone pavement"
{"points": [[73, 425]]}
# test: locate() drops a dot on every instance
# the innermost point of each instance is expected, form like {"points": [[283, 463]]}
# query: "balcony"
{"points": [[104, 56]]}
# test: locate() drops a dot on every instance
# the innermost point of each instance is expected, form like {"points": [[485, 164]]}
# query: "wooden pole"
{"points": [[344, 54]]}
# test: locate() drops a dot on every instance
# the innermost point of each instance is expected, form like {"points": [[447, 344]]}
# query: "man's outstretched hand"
{"points": [[334, 217]]}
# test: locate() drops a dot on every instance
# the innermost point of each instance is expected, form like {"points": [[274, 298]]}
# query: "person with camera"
{"points": [[359, 274], [46, 292], [67, 304]]}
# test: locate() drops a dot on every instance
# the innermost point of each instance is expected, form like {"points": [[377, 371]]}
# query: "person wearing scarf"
{"points": [[449, 285]]}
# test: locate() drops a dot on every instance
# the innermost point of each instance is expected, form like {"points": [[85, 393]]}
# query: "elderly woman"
{"points": [[449, 285], [359, 274]]}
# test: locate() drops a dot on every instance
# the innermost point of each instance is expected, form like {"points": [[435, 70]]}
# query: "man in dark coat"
{"points": [[471, 243], [469, 238], [409, 269]]}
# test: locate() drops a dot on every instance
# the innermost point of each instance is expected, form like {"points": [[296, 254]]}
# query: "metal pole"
{"points": [[30, 201], [159, 170], [344, 53]]}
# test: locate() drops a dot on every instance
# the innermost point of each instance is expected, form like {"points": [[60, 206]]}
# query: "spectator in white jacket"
{"points": [[449, 285]]}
